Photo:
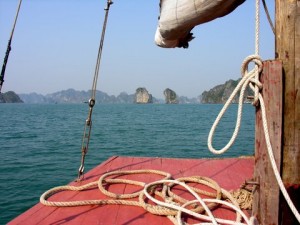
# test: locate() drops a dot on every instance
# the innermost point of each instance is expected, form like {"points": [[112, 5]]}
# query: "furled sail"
{"points": [[178, 18]]}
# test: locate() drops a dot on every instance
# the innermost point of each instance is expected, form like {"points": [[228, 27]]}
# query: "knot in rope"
{"points": [[254, 84], [244, 198]]}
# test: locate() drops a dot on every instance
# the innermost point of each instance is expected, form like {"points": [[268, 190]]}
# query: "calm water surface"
{"points": [[41, 143]]}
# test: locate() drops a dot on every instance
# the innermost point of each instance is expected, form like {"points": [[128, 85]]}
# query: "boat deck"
{"points": [[229, 173]]}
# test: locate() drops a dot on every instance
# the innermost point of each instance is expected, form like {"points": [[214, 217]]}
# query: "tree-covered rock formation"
{"points": [[170, 96], [220, 93], [10, 97]]}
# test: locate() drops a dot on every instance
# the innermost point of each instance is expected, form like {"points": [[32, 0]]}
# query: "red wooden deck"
{"points": [[229, 173]]}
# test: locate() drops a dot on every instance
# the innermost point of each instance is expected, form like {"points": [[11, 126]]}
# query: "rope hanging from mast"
{"points": [[9, 47], [252, 78], [92, 100]]}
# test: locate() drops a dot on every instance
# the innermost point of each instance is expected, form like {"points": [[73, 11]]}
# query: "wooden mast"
{"points": [[281, 84], [288, 51]]}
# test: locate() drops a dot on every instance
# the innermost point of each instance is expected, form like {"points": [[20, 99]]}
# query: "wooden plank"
{"points": [[288, 51], [229, 173], [266, 198]]}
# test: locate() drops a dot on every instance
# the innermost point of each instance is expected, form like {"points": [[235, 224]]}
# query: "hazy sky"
{"points": [[55, 47]]}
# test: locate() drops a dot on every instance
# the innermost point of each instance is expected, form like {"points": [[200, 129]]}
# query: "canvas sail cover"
{"points": [[178, 17]]}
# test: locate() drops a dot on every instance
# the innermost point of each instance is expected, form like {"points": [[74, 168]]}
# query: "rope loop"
{"points": [[103, 181], [251, 58], [249, 78]]}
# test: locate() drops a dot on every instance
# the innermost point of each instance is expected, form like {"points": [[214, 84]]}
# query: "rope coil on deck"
{"points": [[158, 197]]}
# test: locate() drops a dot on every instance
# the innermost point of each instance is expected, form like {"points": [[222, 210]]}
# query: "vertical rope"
{"points": [[257, 18], [268, 16], [273, 163], [256, 77]]}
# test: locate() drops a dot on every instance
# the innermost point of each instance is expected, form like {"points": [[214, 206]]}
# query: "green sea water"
{"points": [[41, 143]]}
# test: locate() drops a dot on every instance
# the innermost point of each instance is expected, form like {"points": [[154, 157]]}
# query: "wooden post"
{"points": [[288, 51], [266, 196]]}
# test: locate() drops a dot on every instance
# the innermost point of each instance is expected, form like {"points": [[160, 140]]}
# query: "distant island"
{"points": [[217, 95], [141, 96], [170, 96], [74, 96], [10, 97], [220, 93]]}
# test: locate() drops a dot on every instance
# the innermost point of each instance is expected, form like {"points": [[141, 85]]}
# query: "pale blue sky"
{"points": [[56, 42]]}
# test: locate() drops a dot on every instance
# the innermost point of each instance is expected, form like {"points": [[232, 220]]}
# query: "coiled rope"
{"points": [[209, 217], [251, 78], [171, 204]]}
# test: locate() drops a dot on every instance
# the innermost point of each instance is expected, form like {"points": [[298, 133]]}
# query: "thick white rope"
{"points": [[247, 79], [252, 78], [273, 162], [173, 205], [210, 217]]}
